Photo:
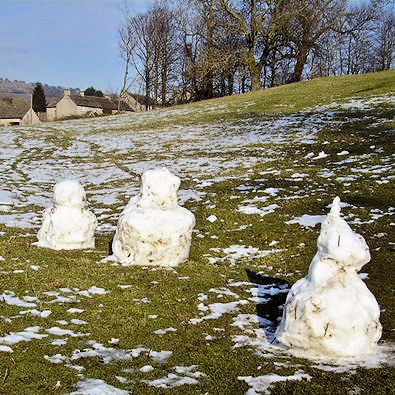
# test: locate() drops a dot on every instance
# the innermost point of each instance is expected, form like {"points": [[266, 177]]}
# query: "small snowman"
{"points": [[153, 230], [68, 225], [331, 312]]}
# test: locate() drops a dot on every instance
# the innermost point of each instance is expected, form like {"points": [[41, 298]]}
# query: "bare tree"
{"points": [[258, 22], [126, 44], [197, 49], [385, 41]]}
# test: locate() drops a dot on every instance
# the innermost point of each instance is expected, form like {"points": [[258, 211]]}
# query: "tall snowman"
{"points": [[153, 230], [331, 311]]}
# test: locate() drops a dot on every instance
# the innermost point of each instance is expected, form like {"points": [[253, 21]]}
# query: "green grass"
{"points": [[284, 99], [173, 294]]}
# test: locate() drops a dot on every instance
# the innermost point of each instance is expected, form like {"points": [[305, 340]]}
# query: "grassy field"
{"points": [[254, 162]]}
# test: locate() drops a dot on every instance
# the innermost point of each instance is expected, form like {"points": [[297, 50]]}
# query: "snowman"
{"points": [[67, 225], [153, 230], [331, 311]]}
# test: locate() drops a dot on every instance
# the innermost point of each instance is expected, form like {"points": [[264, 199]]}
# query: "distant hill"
{"points": [[23, 90]]}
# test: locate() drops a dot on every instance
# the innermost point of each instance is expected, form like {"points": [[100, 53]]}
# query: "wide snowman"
{"points": [[153, 230], [331, 311], [68, 225]]}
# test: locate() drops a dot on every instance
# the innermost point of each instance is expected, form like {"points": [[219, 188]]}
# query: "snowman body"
{"points": [[331, 311], [153, 230], [68, 225]]}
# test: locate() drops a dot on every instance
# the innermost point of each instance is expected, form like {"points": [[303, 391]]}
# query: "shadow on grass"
{"points": [[273, 292]]}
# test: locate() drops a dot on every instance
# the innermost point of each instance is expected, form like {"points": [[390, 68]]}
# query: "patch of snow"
{"points": [[36, 313], [74, 310], [306, 220], [146, 369], [252, 209], [212, 218], [91, 386], [171, 381], [262, 384], [12, 300], [218, 310], [164, 331], [26, 335]]}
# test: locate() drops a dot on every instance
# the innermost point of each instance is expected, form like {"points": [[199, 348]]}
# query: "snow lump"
{"points": [[331, 312], [153, 229], [67, 225]]}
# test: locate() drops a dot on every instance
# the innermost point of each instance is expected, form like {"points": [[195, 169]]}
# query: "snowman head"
{"points": [[160, 187], [338, 242], [69, 193]]}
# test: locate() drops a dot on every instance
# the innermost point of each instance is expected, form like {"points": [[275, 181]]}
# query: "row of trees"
{"points": [[195, 49]]}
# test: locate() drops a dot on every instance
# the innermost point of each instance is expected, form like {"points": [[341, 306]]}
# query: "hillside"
{"points": [[284, 99], [22, 90], [259, 172]]}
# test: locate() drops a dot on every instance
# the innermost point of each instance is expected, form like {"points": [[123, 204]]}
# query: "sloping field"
{"points": [[266, 165]]}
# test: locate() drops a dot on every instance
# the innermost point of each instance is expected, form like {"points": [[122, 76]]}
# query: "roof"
{"points": [[92, 102], [142, 99], [122, 106], [53, 102], [12, 113]]}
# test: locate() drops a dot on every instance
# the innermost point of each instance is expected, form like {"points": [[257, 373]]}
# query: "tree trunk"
{"points": [[255, 72], [301, 60], [231, 82]]}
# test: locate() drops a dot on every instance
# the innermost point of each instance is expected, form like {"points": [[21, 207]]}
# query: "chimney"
{"points": [[67, 92], [82, 93]]}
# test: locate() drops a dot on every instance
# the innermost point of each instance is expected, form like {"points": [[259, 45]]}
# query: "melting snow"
{"points": [[262, 384], [308, 221], [234, 253], [96, 387], [217, 310], [25, 336], [164, 331]]}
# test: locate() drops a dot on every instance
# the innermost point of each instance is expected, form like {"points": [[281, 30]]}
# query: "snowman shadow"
{"points": [[270, 294]]}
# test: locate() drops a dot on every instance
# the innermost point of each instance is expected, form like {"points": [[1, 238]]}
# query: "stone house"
{"points": [[80, 105], [138, 103], [19, 117]]}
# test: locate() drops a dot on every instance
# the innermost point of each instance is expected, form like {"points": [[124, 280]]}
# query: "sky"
{"points": [[71, 43]]}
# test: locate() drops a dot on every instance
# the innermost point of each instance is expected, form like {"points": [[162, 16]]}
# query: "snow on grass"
{"points": [[26, 335], [253, 209], [307, 221], [216, 310], [262, 165], [262, 384], [236, 252], [171, 381], [90, 386], [37, 313], [211, 218], [10, 299], [56, 331], [164, 331], [74, 310], [107, 354]]}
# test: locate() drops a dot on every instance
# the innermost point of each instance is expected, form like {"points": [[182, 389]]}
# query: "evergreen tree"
{"points": [[39, 103], [91, 91]]}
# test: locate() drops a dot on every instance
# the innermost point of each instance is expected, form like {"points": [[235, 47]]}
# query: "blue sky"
{"points": [[72, 43]]}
